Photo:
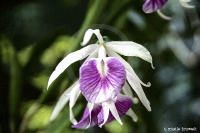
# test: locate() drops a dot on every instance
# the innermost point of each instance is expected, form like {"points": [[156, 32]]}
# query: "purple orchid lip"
{"points": [[101, 79], [152, 5], [85, 122], [122, 103]]}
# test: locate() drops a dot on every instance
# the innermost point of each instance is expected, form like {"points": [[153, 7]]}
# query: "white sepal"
{"points": [[73, 98], [127, 66], [138, 89], [128, 48], [87, 37], [127, 90], [162, 15], [90, 108], [113, 110], [71, 58], [105, 113], [185, 4], [64, 98], [132, 114], [99, 36]]}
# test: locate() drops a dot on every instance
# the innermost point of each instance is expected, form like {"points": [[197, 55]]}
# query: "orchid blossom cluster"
{"points": [[104, 81]]}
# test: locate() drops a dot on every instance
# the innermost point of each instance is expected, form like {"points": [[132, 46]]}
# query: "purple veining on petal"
{"points": [[85, 120], [152, 5], [123, 104], [97, 88]]}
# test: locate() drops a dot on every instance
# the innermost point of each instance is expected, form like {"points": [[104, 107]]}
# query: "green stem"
{"points": [[15, 88]]}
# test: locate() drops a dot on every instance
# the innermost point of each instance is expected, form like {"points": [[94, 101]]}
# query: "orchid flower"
{"points": [[154, 5], [102, 78]]}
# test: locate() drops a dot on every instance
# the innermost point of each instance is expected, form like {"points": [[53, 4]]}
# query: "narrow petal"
{"points": [[73, 98], [101, 79], [87, 36], [89, 118], [90, 107], [114, 110], [127, 90], [94, 54], [138, 89], [185, 4], [152, 5], [184, 0], [129, 48], [71, 58], [127, 66], [132, 114], [64, 98], [117, 109], [99, 36], [163, 15], [103, 115]]}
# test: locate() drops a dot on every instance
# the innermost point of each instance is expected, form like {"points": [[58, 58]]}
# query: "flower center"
{"points": [[102, 68]]}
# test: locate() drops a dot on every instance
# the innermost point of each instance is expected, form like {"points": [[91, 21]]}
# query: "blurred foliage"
{"points": [[36, 35]]}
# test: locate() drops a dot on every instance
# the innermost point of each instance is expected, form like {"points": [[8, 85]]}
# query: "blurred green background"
{"points": [[36, 34]]}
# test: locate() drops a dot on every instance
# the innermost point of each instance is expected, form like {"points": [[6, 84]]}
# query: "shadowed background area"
{"points": [[36, 35]]}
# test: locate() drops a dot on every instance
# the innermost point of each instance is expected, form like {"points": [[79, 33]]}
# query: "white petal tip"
{"points": [[135, 118], [135, 100], [83, 44], [148, 84], [153, 66], [163, 15], [87, 36], [51, 119]]}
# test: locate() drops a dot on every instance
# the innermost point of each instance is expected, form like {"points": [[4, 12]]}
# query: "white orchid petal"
{"points": [[73, 98], [71, 58], [185, 0], [71, 115], [90, 107], [185, 4], [127, 66], [99, 36], [127, 90], [138, 89], [64, 98], [92, 55], [74, 95], [162, 15], [135, 100], [129, 48], [132, 114], [105, 113], [87, 37], [113, 110]]}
